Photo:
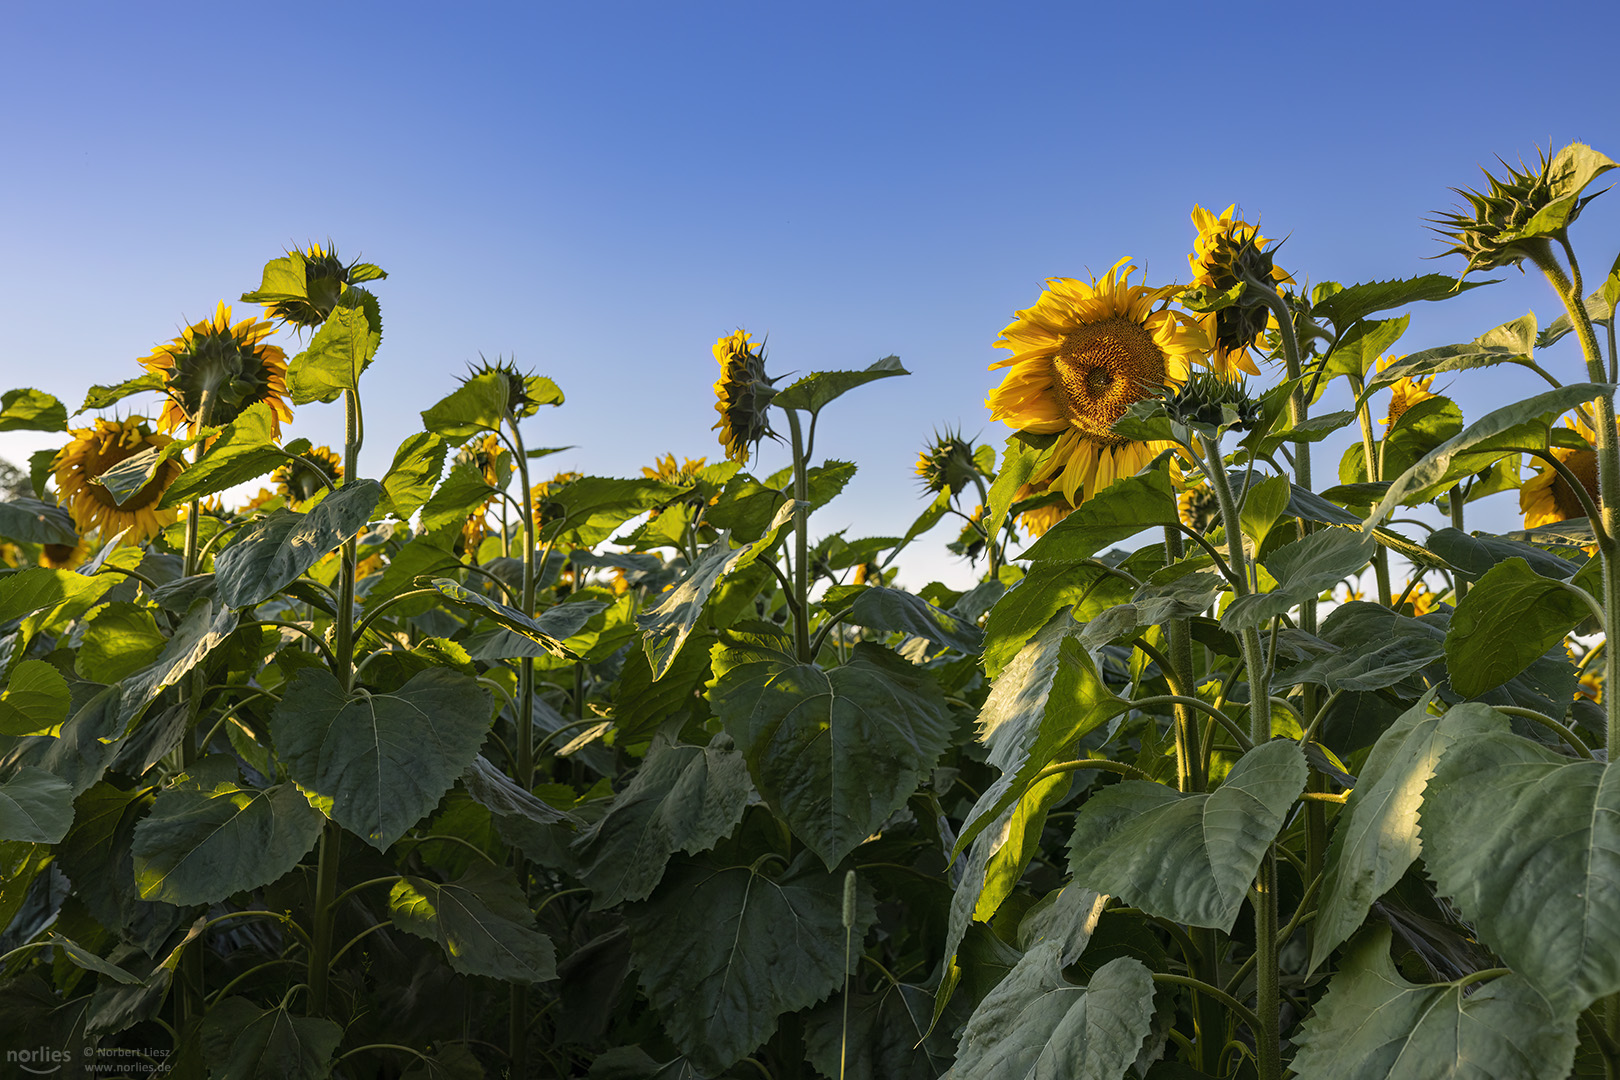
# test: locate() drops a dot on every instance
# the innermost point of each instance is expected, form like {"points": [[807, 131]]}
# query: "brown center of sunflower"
{"points": [[1102, 369], [1583, 463]]}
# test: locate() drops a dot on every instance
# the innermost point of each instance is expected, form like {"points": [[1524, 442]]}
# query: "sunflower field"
{"points": [[1233, 763]]}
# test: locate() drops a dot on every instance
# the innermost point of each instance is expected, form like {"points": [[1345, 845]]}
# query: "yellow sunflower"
{"points": [[1234, 330], [1421, 599], [1405, 393], [95, 450], [260, 500], [1546, 497], [1198, 508], [483, 454], [744, 394], [1082, 356], [223, 367], [1591, 686], [542, 491], [665, 469], [304, 477]]}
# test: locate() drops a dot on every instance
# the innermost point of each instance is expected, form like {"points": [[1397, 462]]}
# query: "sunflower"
{"points": [[64, 556], [546, 512], [1223, 247], [304, 476], [483, 454], [95, 450], [1405, 393], [325, 280], [264, 497], [1547, 497], [665, 469], [1039, 519], [744, 394], [222, 368], [1591, 686], [1198, 508], [1421, 600], [1082, 356]]}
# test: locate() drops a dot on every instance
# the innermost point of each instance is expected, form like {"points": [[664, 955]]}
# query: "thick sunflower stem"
{"points": [[517, 1030], [1267, 992], [1608, 462], [801, 541], [1298, 407], [1454, 503], [1371, 458], [1190, 774]]}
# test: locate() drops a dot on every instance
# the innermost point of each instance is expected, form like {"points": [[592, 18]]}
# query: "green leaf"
{"points": [[1047, 589], [835, 752], [1435, 361], [590, 508], [119, 639], [482, 922], [36, 806], [553, 626], [245, 450], [1374, 1025], [1303, 569], [199, 846], [891, 609], [1036, 1023], [1506, 622], [384, 759], [36, 700], [1375, 648], [278, 549], [1346, 306], [197, 634], [724, 952], [1188, 858], [683, 798], [1573, 167], [340, 351], [100, 397], [815, 390], [81, 957], [1048, 697], [1263, 504], [667, 626], [1116, 513], [416, 468], [1475, 554], [1525, 843], [243, 1043], [35, 522], [1484, 441], [1375, 839], [31, 410], [39, 470], [1017, 466], [462, 493], [478, 404], [1356, 353]]}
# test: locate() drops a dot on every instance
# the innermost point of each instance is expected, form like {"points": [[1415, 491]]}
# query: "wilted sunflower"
{"points": [[1222, 250], [1406, 392], [744, 394], [1198, 508], [1082, 356], [305, 476], [227, 367], [95, 450], [1546, 497]]}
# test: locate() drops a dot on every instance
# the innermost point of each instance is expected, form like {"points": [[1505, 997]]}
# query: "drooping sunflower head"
{"points": [[1224, 251], [1547, 497], [524, 390], [743, 394], [1405, 393], [1082, 356], [214, 370], [305, 476], [946, 463], [92, 452]]}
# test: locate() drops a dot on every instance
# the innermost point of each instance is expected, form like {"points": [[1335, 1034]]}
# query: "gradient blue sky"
{"points": [[600, 190]]}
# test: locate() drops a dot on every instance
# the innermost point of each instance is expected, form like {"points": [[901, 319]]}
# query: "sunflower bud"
{"points": [[947, 463], [1212, 400], [744, 394], [325, 279]]}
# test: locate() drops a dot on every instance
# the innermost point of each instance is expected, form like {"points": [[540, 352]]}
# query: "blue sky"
{"points": [[601, 190]]}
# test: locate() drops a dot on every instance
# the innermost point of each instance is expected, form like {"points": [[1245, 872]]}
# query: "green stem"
{"points": [[1178, 670], [801, 541], [1370, 458], [517, 1029]]}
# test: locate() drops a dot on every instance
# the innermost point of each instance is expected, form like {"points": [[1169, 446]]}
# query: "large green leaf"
{"points": [[1523, 423], [1188, 858], [1037, 1024], [1048, 697], [1572, 168], [1303, 569], [35, 522], [385, 760], [835, 752], [464, 491], [119, 639], [891, 609], [1526, 842], [31, 410], [1118, 512], [1358, 351], [82, 748], [35, 701], [667, 626], [199, 632], [1344, 307], [1047, 589], [99, 397], [724, 951], [243, 1042], [549, 630], [1376, 649], [683, 798], [482, 922], [1375, 839], [36, 807], [1475, 554], [200, 845], [278, 549], [245, 450], [1374, 1025], [478, 404], [416, 468], [584, 512], [340, 350], [1506, 622], [816, 390], [1018, 463]]}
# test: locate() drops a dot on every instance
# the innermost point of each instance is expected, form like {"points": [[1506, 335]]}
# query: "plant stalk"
{"points": [[801, 541], [517, 1030]]}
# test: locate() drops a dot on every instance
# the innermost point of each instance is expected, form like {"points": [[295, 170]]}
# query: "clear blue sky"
{"points": [[601, 189]]}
